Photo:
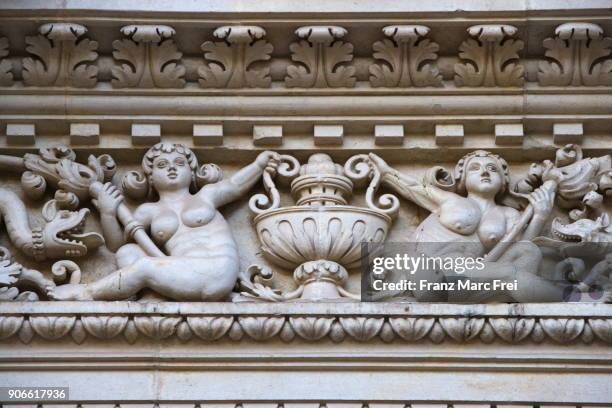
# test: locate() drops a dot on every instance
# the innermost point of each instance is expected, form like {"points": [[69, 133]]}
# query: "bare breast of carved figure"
{"points": [[492, 227], [164, 225], [196, 216], [460, 215]]}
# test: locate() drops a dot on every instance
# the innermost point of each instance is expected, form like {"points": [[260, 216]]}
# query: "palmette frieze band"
{"points": [[323, 56]]}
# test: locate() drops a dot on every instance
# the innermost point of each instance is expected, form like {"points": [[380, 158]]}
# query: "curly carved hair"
{"points": [[138, 185], [159, 148], [463, 163]]}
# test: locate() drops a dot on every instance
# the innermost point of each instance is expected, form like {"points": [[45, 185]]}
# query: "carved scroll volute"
{"points": [[405, 57], [358, 169], [287, 170], [60, 58], [152, 58], [231, 60], [576, 57], [490, 58], [321, 55], [6, 76]]}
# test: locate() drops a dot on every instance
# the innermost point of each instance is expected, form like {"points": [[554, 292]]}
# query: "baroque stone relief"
{"points": [[576, 57], [408, 57], [136, 326], [491, 57], [321, 57], [61, 57], [148, 58], [231, 59], [553, 222]]}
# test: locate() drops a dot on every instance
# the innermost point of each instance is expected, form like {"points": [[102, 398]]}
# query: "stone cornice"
{"points": [[567, 323]]}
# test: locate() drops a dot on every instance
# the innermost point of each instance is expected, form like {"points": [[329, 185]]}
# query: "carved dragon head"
{"points": [[584, 230], [63, 235]]}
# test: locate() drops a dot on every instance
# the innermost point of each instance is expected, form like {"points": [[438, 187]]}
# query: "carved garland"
{"points": [[359, 328]]}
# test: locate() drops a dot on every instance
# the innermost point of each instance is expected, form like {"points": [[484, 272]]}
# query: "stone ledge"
{"points": [[564, 323]]}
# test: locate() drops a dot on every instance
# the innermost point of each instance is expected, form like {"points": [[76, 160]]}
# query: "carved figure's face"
{"points": [[483, 175], [171, 172]]}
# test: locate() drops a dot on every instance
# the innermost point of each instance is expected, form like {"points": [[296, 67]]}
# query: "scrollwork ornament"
{"points": [[321, 57], [6, 76], [490, 58], [357, 168], [135, 185], [578, 55], [149, 58], [231, 60], [288, 168], [406, 55], [61, 57]]}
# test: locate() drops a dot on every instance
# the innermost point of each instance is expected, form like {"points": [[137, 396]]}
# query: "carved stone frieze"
{"points": [[6, 76], [321, 57], [490, 58], [148, 58], [232, 59], [61, 57], [293, 323], [407, 57], [579, 55]]}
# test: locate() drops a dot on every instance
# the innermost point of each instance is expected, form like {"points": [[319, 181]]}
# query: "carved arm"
{"points": [[240, 183]]}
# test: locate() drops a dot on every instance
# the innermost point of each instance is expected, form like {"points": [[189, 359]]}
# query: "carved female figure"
{"points": [[467, 219], [202, 258]]}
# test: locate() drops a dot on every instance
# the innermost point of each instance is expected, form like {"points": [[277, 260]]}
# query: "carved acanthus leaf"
{"points": [[104, 327], [491, 59], [361, 328], [151, 58], [321, 57], [405, 59], [60, 59], [261, 328], [6, 76], [210, 328], [577, 57], [311, 328], [52, 327], [232, 59], [156, 327]]}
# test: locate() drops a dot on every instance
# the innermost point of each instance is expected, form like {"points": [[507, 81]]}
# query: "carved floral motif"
{"points": [[577, 57], [232, 59], [61, 60], [405, 56], [149, 58], [491, 58], [321, 56], [6, 76]]}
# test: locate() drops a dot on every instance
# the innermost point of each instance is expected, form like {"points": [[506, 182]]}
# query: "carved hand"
{"points": [[268, 161], [542, 201], [108, 200], [379, 164]]}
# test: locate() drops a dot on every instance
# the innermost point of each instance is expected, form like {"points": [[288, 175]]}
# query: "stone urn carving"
{"points": [[320, 237]]}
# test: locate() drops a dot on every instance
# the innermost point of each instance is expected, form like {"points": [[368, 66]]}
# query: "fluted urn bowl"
{"points": [[291, 236]]}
